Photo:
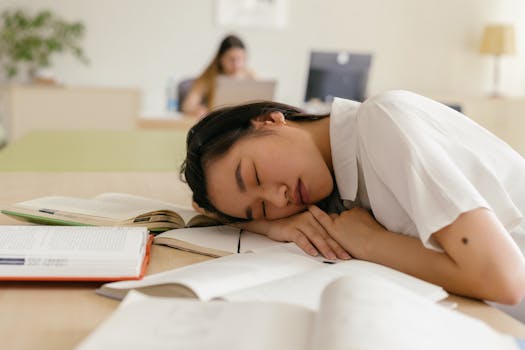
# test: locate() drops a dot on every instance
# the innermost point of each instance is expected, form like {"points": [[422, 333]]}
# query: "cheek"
{"points": [[280, 213], [226, 202], [228, 66]]}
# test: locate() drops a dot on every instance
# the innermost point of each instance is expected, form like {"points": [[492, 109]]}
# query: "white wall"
{"points": [[429, 46]]}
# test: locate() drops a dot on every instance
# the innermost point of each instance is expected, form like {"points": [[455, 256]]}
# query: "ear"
{"points": [[275, 118]]}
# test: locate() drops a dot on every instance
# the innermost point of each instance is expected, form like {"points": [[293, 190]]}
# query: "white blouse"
{"points": [[418, 165]]}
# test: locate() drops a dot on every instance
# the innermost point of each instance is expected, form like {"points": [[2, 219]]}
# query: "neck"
{"points": [[319, 130]]}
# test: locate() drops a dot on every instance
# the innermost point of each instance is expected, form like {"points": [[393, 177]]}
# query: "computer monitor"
{"points": [[337, 74]]}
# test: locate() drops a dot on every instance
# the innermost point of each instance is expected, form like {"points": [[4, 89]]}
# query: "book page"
{"points": [[144, 204], [71, 251], [374, 313], [305, 289], [219, 276], [89, 207], [143, 322], [115, 206], [215, 240], [139, 202]]}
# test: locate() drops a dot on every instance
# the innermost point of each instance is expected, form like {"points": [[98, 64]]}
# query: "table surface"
{"points": [[96, 150], [51, 315]]}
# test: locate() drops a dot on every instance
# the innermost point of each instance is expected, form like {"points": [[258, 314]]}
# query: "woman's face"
{"points": [[233, 61], [269, 176]]}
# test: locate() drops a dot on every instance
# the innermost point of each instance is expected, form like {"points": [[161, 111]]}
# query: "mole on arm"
{"points": [[464, 240]]}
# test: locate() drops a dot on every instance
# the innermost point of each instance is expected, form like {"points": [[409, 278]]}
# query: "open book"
{"points": [[108, 209], [356, 312], [73, 253], [283, 273], [215, 241]]}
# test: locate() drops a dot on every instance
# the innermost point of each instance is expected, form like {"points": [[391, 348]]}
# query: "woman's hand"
{"points": [[308, 234], [352, 229], [202, 211], [302, 229]]}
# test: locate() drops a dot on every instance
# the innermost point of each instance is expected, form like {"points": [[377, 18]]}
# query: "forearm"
{"points": [[302, 229], [479, 257], [192, 104], [482, 276], [407, 254], [257, 226]]}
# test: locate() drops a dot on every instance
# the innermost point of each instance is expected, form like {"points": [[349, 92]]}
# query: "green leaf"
{"points": [[32, 39]]}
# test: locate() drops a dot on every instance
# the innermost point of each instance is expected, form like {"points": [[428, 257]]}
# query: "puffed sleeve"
{"points": [[436, 162]]}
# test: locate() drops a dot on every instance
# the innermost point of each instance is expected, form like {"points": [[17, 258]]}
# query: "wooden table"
{"points": [[52, 315], [58, 316]]}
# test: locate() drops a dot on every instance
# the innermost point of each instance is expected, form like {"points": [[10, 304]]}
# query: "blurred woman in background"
{"points": [[230, 61]]}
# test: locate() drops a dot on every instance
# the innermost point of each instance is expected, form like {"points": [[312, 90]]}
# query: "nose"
{"points": [[276, 195]]}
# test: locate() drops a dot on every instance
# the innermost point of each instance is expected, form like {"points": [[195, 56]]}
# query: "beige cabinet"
{"points": [[503, 116], [24, 108]]}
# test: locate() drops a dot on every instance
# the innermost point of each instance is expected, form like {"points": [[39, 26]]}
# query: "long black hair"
{"points": [[216, 133]]}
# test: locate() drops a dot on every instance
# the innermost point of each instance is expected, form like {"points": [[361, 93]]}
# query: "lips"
{"points": [[301, 195]]}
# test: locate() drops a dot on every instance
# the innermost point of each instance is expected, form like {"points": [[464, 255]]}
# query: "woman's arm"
{"points": [[192, 104], [480, 259], [302, 229]]}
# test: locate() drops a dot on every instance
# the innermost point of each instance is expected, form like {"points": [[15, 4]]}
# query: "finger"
{"points": [[327, 246], [334, 246], [320, 239], [323, 218], [304, 243], [322, 246], [339, 251]]}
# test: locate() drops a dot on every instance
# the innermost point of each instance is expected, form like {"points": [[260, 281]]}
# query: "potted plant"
{"points": [[28, 42]]}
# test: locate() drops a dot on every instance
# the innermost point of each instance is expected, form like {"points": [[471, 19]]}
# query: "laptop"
{"points": [[232, 91]]}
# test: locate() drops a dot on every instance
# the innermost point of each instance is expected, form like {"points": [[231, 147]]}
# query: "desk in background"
{"points": [[96, 150], [25, 108], [170, 121]]}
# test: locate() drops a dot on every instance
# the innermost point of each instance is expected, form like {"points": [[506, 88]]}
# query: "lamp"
{"points": [[498, 39]]}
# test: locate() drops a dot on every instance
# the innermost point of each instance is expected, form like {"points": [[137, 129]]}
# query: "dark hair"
{"points": [[229, 42], [216, 133]]}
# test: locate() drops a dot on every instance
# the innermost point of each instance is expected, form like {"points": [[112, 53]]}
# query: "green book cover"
{"points": [[43, 220]]}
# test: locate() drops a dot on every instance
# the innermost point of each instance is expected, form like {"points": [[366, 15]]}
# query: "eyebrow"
{"points": [[242, 188]]}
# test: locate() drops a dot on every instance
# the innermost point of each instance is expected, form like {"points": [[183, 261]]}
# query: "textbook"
{"points": [[61, 253], [108, 209], [356, 312], [215, 241], [283, 273]]}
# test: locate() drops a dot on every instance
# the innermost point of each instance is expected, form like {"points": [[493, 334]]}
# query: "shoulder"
{"points": [[393, 100], [400, 107]]}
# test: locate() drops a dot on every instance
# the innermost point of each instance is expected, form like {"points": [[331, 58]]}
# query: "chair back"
{"points": [[183, 89]]}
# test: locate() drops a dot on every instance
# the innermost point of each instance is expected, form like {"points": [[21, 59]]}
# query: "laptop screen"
{"points": [[230, 91]]}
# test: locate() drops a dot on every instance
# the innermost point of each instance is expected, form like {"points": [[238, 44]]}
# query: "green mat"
{"points": [[97, 151]]}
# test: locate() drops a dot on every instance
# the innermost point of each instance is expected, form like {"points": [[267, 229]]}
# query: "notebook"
{"points": [[231, 91]]}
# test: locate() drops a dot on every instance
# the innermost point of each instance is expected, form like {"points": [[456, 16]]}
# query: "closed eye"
{"points": [[256, 176], [258, 181]]}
